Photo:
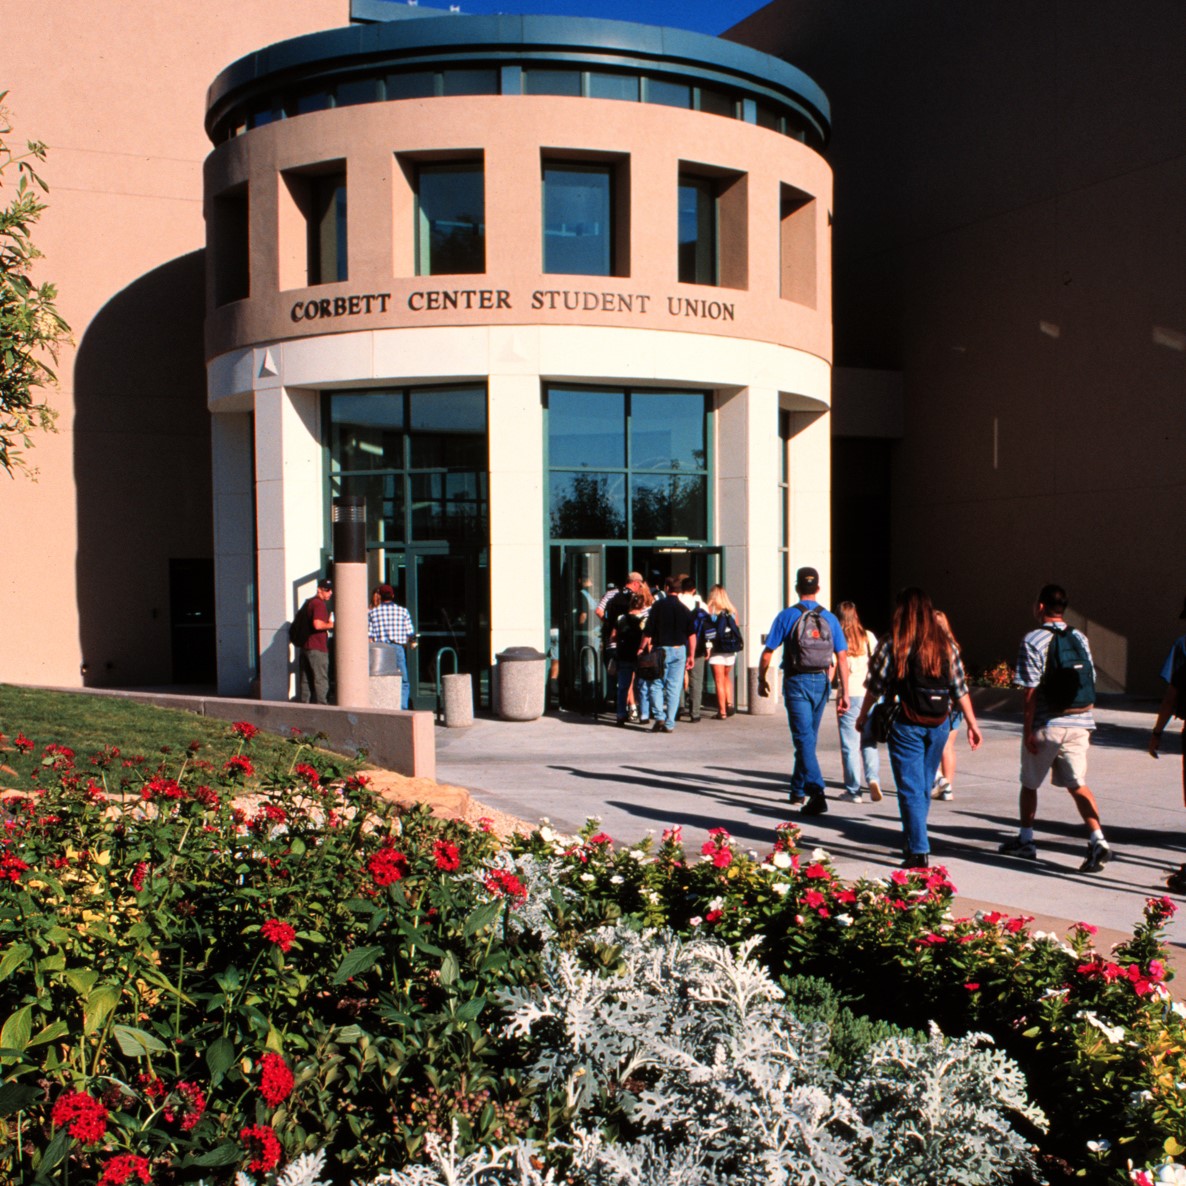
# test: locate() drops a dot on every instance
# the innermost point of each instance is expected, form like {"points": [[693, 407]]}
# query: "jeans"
{"points": [[851, 744], [914, 752], [667, 693], [805, 696], [405, 688], [625, 675]]}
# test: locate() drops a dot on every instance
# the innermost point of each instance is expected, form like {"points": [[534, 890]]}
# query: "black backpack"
{"points": [[926, 699], [809, 646], [1068, 681], [728, 639], [300, 630]]}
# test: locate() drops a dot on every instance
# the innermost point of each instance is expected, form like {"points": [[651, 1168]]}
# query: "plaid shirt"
{"points": [[881, 679], [388, 622]]}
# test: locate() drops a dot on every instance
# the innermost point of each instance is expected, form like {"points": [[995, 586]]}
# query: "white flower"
{"points": [[781, 860], [638, 855], [588, 877], [1114, 1033], [781, 888], [1137, 1098], [844, 920], [717, 904], [819, 854], [616, 879], [1100, 1146], [695, 921], [1179, 1008], [752, 854], [546, 834]]}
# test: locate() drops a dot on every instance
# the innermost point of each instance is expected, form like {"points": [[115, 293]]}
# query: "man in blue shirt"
{"points": [[808, 653]]}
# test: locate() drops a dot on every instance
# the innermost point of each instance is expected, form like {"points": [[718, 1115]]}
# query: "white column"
{"points": [[747, 507], [517, 542], [810, 512], [290, 508], [234, 552]]}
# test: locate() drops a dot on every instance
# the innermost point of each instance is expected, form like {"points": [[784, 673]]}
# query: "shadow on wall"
{"points": [[143, 478]]}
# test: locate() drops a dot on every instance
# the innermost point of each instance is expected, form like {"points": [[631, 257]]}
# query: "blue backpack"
{"points": [[1068, 682]]}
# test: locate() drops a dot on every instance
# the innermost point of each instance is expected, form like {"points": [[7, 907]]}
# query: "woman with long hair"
{"points": [[919, 668], [720, 623], [857, 750]]}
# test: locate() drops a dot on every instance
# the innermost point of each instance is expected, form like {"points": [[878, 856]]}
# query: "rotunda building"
{"points": [[553, 295]]}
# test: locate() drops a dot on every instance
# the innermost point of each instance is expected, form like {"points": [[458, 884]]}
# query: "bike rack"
{"points": [[439, 684]]}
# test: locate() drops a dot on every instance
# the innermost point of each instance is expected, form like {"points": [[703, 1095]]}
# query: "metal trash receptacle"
{"points": [[522, 675], [386, 683]]}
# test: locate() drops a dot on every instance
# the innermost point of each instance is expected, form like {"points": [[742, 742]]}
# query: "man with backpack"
{"points": [[309, 633], [1055, 668], [812, 641]]}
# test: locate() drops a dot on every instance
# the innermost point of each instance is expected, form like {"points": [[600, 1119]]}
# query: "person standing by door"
{"points": [[313, 652], [391, 624]]}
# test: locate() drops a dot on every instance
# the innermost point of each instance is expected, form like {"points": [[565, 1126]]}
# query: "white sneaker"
{"points": [[852, 797], [942, 790]]}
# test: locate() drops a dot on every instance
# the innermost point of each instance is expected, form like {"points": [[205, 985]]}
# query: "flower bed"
{"points": [[210, 970]]}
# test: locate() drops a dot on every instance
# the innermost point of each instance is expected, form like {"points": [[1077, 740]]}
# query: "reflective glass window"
{"points": [[769, 118], [552, 82], [667, 431], [669, 94], [367, 431], [411, 84], [586, 429], [588, 505], [309, 101], [717, 102], [448, 429], [469, 82], [613, 86], [669, 506], [358, 90], [578, 206], [450, 219], [697, 231]]}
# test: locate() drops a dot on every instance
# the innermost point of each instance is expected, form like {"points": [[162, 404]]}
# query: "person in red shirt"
{"points": [[313, 657]]}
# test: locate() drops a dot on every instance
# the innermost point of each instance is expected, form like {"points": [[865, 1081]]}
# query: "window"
{"points": [[327, 229], [229, 240], [450, 219], [578, 202], [697, 230], [669, 94], [797, 246], [552, 82]]}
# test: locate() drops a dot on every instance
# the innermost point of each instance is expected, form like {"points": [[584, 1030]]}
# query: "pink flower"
{"points": [[280, 933], [814, 899], [713, 916], [972, 986]]}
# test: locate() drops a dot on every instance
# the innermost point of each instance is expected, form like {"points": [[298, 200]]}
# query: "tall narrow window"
{"points": [[698, 231], [229, 240], [797, 247], [327, 228], [578, 219], [450, 219]]}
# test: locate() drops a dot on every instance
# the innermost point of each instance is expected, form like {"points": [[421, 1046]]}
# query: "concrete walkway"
{"points": [[734, 774]]}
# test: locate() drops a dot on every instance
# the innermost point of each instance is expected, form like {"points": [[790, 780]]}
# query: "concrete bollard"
{"points": [[522, 675], [457, 700], [764, 706], [386, 684]]}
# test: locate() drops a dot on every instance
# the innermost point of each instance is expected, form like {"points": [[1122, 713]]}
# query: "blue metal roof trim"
{"points": [[500, 36]]}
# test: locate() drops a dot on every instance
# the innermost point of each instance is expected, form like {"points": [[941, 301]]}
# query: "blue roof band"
{"points": [[572, 42]]}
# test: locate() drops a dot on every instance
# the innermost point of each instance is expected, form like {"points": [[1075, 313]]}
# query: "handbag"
{"points": [[650, 664], [882, 718]]}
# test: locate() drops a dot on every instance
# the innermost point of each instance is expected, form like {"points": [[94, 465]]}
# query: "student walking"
{"points": [[720, 634], [919, 669], [1056, 670], [858, 750]]}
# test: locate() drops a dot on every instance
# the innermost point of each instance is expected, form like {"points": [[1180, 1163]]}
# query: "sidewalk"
{"points": [[734, 774]]}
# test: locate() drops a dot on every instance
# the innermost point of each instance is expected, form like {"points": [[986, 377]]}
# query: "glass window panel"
{"points": [[310, 101], [769, 118], [451, 219], [385, 509], [413, 84], [577, 208], [265, 114], [716, 102], [358, 90], [449, 409], [670, 94], [588, 505], [667, 432], [448, 506], [586, 429], [697, 231], [552, 82], [367, 431], [669, 507], [327, 229], [469, 82], [614, 86]]}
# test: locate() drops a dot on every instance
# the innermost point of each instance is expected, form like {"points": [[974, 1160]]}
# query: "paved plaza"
{"points": [[734, 774]]}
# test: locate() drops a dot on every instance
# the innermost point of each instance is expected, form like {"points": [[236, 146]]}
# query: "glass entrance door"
{"points": [[576, 629]]}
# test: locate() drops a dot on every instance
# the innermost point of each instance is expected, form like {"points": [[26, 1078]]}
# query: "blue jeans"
{"points": [[405, 688], [625, 675], [914, 752], [851, 745], [805, 696], [667, 693]]}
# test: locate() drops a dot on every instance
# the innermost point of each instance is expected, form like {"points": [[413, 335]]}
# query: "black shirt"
{"points": [[669, 623]]}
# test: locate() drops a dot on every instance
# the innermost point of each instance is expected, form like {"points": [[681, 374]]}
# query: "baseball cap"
{"points": [[326, 583], [806, 580]]}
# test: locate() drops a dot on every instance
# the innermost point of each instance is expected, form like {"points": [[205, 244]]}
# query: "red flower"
{"points": [[23, 743], [387, 866], [11, 868], [151, 1086], [846, 896], [188, 1103], [138, 875], [814, 899], [972, 986], [601, 838], [357, 782], [121, 1168], [280, 933], [506, 885], [446, 855], [207, 796], [307, 773], [244, 729], [1017, 924], [239, 765], [85, 1117], [817, 871], [713, 916], [277, 1082], [722, 857], [261, 1145]]}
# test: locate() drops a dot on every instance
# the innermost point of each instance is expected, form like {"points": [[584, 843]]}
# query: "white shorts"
{"points": [[1062, 753], [715, 660]]}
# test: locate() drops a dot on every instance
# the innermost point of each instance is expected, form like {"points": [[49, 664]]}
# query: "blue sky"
{"points": [[705, 16]]}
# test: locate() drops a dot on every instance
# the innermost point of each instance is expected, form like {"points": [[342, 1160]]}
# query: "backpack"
{"points": [[300, 630], [925, 699], [728, 639], [809, 646], [1068, 681]]}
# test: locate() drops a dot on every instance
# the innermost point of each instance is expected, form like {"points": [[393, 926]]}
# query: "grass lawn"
{"points": [[86, 723]]}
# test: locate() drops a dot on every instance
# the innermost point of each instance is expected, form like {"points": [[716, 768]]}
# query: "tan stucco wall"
{"points": [[117, 90]]}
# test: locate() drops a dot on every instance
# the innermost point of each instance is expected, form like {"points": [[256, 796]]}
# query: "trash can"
{"points": [[386, 683], [764, 706], [457, 700], [522, 676]]}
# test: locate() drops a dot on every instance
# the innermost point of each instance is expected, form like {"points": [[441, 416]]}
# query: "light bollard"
{"points": [[350, 602]]}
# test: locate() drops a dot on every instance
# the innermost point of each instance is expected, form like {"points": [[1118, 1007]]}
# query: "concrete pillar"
{"points": [[517, 573], [290, 521], [234, 552], [809, 515]]}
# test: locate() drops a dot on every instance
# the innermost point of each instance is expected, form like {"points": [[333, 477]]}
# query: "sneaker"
{"points": [[1016, 847], [1098, 855], [874, 790], [816, 805], [853, 797], [632, 716], [916, 860], [661, 727], [942, 789]]}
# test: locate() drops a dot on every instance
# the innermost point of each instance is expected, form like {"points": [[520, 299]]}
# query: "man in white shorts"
{"points": [[1056, 670]]}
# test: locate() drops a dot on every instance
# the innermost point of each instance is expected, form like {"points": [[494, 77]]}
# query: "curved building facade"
{"points": [[552, 294]]}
